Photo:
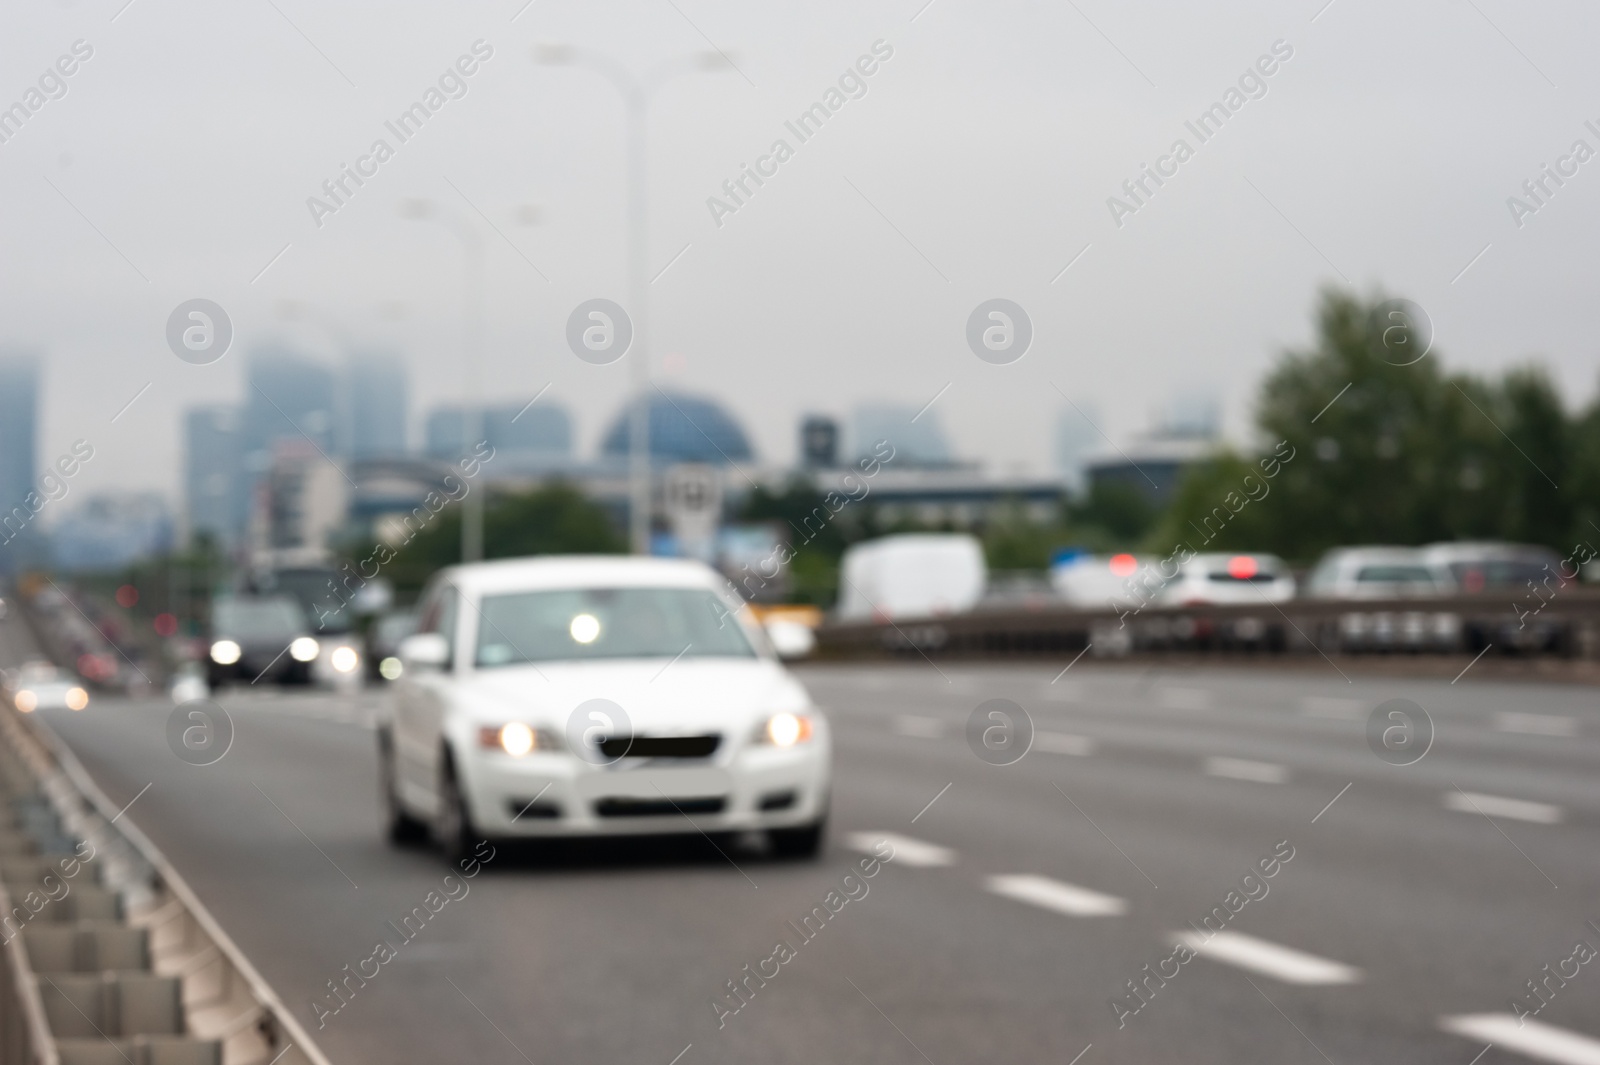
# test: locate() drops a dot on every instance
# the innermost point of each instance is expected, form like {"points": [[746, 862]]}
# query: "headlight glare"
{"points": [[786, 730], [225, 652], [344, 659], [303, 649]]}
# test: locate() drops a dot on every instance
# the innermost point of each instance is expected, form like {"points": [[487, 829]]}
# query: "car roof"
{"points": [[1484, 551], [580, 571]]}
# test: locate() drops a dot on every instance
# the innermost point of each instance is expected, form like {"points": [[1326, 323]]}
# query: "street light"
{"points": [[471, 342], [636, 94]]}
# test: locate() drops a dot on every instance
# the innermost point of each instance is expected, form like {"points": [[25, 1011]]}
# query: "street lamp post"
{"points": [[636, 95], [472, 311]]}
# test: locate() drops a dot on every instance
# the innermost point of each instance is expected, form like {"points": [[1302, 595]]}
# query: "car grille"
{"points": [[660, 746], [619, 807]]}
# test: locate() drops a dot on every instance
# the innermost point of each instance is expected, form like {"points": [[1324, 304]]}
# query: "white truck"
{"points": [[914, 575]]}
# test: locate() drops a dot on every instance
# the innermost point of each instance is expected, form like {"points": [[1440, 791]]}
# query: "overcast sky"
{"points": [[978, 164]]}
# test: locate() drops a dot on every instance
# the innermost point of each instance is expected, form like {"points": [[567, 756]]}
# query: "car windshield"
{"points": [[1400, 573], [590, 623], [251, 619], [319, 594]]}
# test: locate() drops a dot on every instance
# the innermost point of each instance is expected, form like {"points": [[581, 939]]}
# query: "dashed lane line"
{"points": [[907, 851], [1057, 895], [1246, 769], [1269, 959], [1534, 1039], [1472, 802]]}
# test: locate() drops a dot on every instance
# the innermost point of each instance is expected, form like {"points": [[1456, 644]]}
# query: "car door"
{"points": [[420, 702]]}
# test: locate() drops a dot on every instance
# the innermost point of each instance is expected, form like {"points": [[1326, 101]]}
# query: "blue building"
{"points": [[19, 406], [683, 428], [375, 405]]}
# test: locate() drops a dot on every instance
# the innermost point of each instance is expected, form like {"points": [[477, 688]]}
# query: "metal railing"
{"points": [[130, 957]]}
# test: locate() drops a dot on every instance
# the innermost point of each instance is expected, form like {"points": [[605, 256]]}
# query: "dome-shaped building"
{"points": [[682, 429]]}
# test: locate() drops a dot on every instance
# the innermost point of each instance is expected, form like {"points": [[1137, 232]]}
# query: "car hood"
{"points": [[658, 695]]}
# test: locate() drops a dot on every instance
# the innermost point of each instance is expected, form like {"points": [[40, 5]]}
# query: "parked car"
{"points": [[914, 575], [574, 696], [1377, 573]]}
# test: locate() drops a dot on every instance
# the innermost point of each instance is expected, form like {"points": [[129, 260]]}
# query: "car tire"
{"points": [[452, 827], [804, 841], [401, 828]]}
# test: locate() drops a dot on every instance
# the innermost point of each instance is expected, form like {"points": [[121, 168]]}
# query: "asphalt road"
{"points": [[1420, 894]]}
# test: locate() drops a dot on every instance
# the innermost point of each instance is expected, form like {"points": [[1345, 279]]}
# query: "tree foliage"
{"points": [[1398, 454]]}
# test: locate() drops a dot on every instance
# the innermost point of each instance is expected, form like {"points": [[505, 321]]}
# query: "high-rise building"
{"points": [[19, 405], [286, 396], [540, 433], [819, 442], [375, 410], [108, 531], [217, 494], [682, 428]]}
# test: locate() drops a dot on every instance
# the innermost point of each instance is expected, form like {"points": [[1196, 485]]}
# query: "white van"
{"points": [[913, 575]]}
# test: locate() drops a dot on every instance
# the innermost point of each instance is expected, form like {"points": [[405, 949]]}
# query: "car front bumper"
{"points": [[558, 794]]}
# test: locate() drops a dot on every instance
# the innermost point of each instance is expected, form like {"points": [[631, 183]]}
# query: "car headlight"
{"points": [[390, 668], [303, 649], [225, 652], [26, 701], [344, 659], [77, 698], [516, 739], [786, 730]]}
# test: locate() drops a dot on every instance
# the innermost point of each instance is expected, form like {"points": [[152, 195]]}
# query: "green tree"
{"points": [[554, 520]]}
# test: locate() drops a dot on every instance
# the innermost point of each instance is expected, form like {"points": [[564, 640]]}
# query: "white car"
{"points": [[41, 686], [1220, 578], [573, 696], [1377, 573]]}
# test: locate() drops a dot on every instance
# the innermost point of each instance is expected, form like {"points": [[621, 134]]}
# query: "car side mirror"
{"points": [[791, 639], [424, 650]]}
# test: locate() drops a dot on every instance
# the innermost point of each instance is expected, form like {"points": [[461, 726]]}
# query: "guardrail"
{"points": [[110, 957], [1567, 624]]}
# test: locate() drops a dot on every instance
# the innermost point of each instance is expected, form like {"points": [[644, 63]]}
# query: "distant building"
{"points": [[682, 428], [306, 500], [217, 502], [819, 442], [19, 405], [286, 396], [108, 531], [1077, 442], [375, 405], [916, 436], [522, 436], [1155, 465]]}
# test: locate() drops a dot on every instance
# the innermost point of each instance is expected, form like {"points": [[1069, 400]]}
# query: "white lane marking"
{"points": [[1063, 743], [1473, 802], [1245, 769], [907, 851], [1186, 699], [1337, 709], [1535, 724], [1281, 963], [1056, 895], [1533, 1038], [927, 728]]}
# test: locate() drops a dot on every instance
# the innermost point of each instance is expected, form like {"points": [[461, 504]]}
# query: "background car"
{"points": [[259, 636], [1527, 574], [41, 686], [570, 696], [383, 643], [1377, 573], [1229, 578]]}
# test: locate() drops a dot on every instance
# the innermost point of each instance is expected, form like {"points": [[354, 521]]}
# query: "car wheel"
{"points": [[452, 827], [802, 842], [403, 829]]}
